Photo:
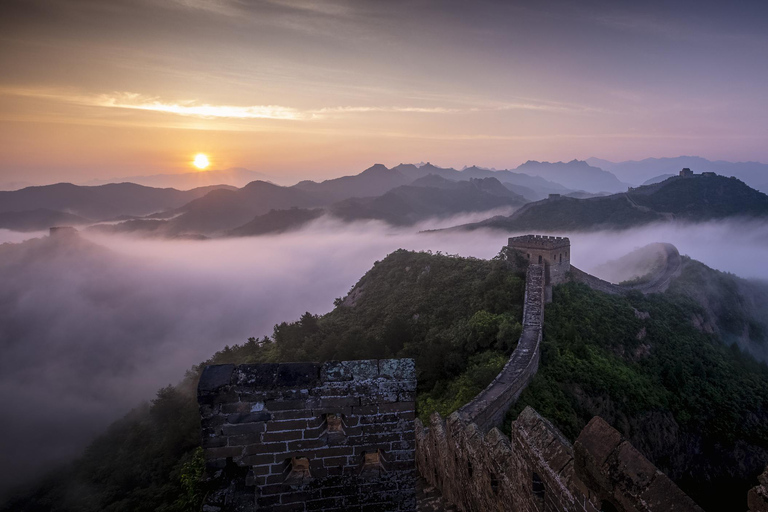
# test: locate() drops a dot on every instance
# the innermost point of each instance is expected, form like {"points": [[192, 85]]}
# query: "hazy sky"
{"points": [[95, 88]]}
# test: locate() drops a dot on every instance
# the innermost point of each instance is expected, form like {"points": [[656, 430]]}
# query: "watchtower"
{"points": [[554, 252]]}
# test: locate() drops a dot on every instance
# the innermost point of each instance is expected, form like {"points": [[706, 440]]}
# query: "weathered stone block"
{"points": [[398, 369], [297, 375], [215, 377]]}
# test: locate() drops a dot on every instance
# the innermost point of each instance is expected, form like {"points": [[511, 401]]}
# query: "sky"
{"points": [[93, 89]]}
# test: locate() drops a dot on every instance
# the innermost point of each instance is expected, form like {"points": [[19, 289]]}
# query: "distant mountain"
{"points": [[373, 181], [658, 179], [378, 180], [698, 198], [102, 202], [262, 208], [223, 210], [576, 175], [408, 204], [277, 221], [39, 220], [754, 174], [235, 177], [14, 185], [532, 187], [415, 172]]}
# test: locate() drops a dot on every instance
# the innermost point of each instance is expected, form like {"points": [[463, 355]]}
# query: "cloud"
{"points": [[196, 108], [193, 108], [88, 332]]}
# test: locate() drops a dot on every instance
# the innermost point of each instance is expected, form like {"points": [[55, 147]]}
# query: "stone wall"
{"points": [[488, 408], [536, 469], [308, 436]]}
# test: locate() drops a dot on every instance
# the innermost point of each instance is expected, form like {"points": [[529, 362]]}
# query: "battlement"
{"points": [[310, 436], [538, 242]]}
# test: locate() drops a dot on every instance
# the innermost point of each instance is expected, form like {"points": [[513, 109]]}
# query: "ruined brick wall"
{"points": [[757, 498], [488, 408], [536, 469], [308, 436]]}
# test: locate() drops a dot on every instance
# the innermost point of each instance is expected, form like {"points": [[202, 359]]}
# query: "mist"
{"points": [[92, 329]]}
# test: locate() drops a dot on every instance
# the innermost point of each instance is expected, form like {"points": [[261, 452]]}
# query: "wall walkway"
{"points": [[488, 408]]}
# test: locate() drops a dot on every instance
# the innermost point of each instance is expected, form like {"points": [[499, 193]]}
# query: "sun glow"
{"points": [[201, 161]]}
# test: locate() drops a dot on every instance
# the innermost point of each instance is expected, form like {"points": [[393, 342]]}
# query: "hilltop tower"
{"points": [[554, 252]]}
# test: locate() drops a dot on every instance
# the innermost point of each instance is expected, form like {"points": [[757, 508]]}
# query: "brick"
{"points": [[365, 410], [250, 417], [398, 407], [262, 448], [338, 452], [257, 460], [311, 444], [286, 405], [334, 461], [244, 439], [293, 415], [289, 435], [245, 428], [235, 408], [338, 403], [274, 426], [214, 442], [223, 453]]}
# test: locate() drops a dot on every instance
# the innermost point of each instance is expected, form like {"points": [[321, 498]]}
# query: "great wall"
{"points": [[343, 435]]}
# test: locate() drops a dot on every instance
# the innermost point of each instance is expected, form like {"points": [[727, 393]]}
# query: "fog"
{"points": [[89, 330]]}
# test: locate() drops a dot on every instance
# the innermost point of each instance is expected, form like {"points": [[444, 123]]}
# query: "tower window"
{"points": [[539, 258], [537, 486]]}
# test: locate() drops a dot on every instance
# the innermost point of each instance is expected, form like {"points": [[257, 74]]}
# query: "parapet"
{"points": [[536, 468], [539, 242], [617, 473], [310, 436]]}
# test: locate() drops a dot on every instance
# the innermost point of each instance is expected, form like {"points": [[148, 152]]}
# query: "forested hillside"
{"points": [[695, 407]]}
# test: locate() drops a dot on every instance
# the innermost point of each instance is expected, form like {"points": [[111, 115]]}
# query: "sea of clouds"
{"points": [[86, 334]]}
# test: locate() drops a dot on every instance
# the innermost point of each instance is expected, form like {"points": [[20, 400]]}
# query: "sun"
{"points": [[201, 161]]}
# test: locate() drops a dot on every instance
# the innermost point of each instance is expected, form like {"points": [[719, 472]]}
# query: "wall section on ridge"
{"points": [[536, 469], [488, 408]]}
